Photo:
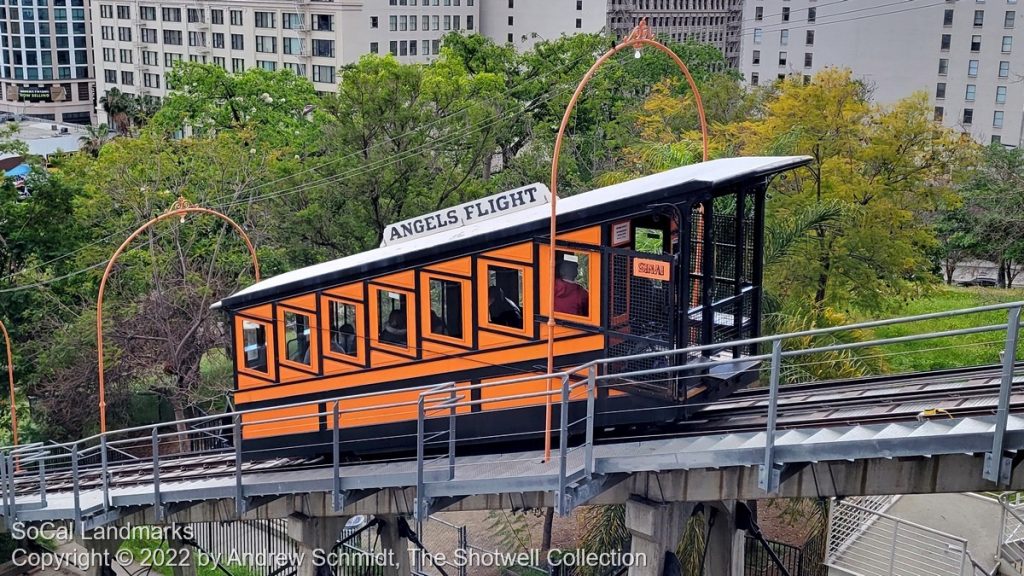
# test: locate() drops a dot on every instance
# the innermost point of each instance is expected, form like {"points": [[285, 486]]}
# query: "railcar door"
{"points": [[642, 301]]}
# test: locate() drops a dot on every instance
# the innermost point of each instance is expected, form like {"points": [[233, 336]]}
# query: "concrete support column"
{"points": [[186, 552], [396, 546], [656, 528], [99, 549], [314, 536], [725, 542]]}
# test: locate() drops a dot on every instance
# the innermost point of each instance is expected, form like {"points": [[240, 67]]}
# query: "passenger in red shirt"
{"points": [[570, 297]]}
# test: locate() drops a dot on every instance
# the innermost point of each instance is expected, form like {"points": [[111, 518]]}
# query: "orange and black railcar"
{"points": [[461, 295]]}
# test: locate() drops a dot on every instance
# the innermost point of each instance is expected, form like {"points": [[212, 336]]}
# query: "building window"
{"points": [[172, 37], [218, 39], [972, 68], [785, 14], [147, 13], [968, 116], [325, 22], [970, 92], [758, 13], [979, 18], [266, 44], [393, 23], [149, 35], [784, 37], [109, 55], [997, 139], [268, 65], [946, 40], [236, 17], [323, 48], [754, 77], [940, 90], [170, 14], [393, 47], [812, 15], [237, 42], [124, 34], [374, 22], [291, 21], [757, 57], [997, 119], [197, 38], [126, 56], [579, 23], [106, 11], [237, 65], [1007, 44], [217, 16], [265, 20], [943, 66], [758, 35], [196, 15], [151, 80], [810, 38], [947, 18], [127, 78], [808, 60], [1000, 94], [298, 69], [975, 43], [150, 58], [324, 74], [782, 58], [1009, 18], [110, 76], [170, 58], [938, 113], [123, 12], [374, 48], [290, 46], [1004, 69], [469, 22]]}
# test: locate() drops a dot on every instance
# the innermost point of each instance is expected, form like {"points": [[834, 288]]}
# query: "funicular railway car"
{"points": [[662, 262]]}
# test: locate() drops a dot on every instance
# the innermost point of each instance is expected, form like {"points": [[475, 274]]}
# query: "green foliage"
{"points": [[511, 529], [157, 549]]}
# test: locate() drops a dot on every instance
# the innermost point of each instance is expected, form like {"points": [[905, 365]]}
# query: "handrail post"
{"points": [[336, 458], [76, 492], [451, 433], [42, 480], [588, 455], [563, 447], [12, 465], [157, 504], [768, 476], [103, 472], [3, 486], [892, 551], [237, 434], [997, 468], [420, 501]]}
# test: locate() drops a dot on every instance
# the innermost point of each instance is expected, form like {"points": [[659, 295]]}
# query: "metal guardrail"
{"points": [[30, 473], [1011, 532]]}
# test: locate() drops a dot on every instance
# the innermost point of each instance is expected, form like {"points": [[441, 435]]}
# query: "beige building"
{"points": [[46, 63], [965, 55], [715, 22]]}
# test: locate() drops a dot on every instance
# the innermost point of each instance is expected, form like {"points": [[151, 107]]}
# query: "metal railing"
{"points": [[1011, 531], [155, 454]]}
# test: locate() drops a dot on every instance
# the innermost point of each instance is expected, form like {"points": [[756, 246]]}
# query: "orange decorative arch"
{"points": [[639, 37], [180, 208], [10, 379]]}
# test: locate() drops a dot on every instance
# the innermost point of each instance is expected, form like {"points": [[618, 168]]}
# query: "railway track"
{"points": [[941, 394]]}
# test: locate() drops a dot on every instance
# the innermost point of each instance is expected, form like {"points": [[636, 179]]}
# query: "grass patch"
{"points": [[951, 352]]}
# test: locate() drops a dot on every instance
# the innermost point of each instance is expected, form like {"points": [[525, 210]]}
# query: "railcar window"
{"points": [[343, 328], [650, 240], [392, 308], [296, 337], [572, 284], [505, 296], [254, 343], [445, 308]]}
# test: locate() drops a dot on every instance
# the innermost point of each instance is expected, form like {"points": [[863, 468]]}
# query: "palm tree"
{"points": [[118, 106], [94, 138], [143, 108]]}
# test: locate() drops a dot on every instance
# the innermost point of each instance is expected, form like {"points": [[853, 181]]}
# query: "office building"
{"points": [[46, 60]]}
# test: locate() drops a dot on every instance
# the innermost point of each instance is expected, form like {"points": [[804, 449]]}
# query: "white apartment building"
{"points": [[523, 23], [46, 60], [966, 54]]}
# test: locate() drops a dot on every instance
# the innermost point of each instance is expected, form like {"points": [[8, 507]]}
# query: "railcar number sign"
{"points": [[468, 213], [653, 269]]}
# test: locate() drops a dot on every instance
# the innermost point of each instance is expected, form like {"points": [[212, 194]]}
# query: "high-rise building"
{"points": [[46, 60], [962, 54]]}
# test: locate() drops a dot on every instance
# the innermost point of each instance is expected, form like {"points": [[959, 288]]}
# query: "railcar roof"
{"points": [[711, 173]]}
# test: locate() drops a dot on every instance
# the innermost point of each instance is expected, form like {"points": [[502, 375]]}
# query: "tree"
{"points": [[886, 167], [118, 107], [992, 218], [94, 139], [268, 108]]}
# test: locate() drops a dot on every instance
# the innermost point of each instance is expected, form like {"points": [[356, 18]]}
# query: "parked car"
{"points": [[986, 281]]}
